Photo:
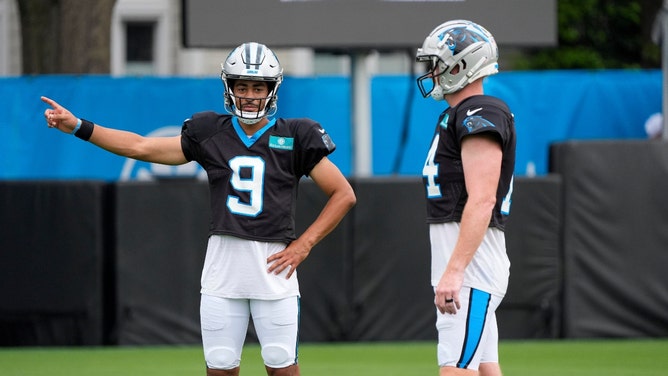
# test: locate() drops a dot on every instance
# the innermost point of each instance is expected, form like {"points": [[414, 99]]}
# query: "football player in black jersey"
{"points": [[468, 177], [254, 164]]}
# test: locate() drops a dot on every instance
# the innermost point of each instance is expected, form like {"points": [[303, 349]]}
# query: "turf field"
{"points": [[518, 358]]}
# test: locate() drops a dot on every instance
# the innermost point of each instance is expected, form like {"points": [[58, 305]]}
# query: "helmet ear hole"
{"points": [[458, 68]]}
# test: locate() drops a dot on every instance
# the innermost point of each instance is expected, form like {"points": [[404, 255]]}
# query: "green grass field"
{"points": [[518, 358]]}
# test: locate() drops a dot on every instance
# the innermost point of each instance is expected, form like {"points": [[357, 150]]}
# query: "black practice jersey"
{"points": [[254, 180], [443, 173]]}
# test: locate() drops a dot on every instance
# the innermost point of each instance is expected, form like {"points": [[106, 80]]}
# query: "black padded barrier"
{"points": [[532, 305], [615, 237], [367, 281], [392, 295], [325, 276], [161, 233], [52, 273]]}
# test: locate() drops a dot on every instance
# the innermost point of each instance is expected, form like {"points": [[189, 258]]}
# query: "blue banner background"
{"points": [[549, 106]]}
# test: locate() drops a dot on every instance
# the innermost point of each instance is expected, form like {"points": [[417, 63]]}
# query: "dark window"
{"points": [[139, 47]]}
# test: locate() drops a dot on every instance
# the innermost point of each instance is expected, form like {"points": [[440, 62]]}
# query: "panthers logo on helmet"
{"points": [[459, 38]]}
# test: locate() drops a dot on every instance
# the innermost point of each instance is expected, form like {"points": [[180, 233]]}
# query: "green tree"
{"points": [[600, 34]]}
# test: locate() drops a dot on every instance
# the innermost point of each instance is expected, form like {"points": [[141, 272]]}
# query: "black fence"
{"points": [[98, 263]]}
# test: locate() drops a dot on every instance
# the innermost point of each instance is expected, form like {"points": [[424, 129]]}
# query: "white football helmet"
{"points": [[256, 62], [456, 44]]}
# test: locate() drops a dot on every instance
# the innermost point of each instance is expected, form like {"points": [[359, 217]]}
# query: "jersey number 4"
{"points": [[430, 172]]}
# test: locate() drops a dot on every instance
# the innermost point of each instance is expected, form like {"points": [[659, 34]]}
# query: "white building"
{"points": [[10, 39], [155, 26]]}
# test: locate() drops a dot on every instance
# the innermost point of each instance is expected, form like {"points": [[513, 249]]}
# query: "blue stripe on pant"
{"points": [[475, 324]]}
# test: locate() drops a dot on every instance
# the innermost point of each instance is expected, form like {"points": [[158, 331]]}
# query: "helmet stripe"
{"points": [[247, 60], [253, 56], [258, 56]]}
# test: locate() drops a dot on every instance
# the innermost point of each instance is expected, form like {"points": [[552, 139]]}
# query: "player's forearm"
{"points": [[119, 142], [474, 224], [164, 150], [338, 205]]}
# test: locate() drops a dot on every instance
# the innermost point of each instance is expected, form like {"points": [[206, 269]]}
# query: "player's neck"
{"points": [[474, 88]]}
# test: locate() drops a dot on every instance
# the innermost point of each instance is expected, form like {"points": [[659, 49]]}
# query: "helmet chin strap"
{"points": [[249, 121], [437, 93]]}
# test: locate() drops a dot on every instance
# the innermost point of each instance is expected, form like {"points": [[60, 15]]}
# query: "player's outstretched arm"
{"points": [[165, 150]]}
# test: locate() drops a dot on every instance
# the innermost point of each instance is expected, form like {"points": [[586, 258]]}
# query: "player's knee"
{"points": [[277, 356], [222, 358]]}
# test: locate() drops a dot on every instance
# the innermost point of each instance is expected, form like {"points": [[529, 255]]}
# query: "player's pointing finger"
{"points": [[50, 102]]}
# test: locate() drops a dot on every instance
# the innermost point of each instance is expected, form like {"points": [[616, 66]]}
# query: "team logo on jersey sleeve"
{"points": [[329, 144], [280, 142], [474, 123]]}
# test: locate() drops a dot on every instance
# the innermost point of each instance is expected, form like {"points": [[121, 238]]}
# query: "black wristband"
{"points": [[86, 130]]}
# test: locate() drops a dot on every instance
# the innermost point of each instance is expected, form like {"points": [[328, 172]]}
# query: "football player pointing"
{"points": [[254, 164], [468, 176]]}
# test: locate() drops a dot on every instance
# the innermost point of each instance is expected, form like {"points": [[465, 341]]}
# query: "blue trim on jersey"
{"points": [[444, 122], [475, 324], [249, 141]]}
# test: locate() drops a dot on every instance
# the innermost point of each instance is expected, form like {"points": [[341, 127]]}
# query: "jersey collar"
{"points": [[249, 141]]}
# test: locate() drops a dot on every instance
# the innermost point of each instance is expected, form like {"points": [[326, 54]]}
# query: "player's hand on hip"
{"points": [[58, 116], [289, 258]]}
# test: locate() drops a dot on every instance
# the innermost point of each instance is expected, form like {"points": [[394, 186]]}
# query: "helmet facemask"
{"points": [[251, 62], [267, 106], [428, 82]]}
